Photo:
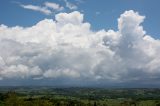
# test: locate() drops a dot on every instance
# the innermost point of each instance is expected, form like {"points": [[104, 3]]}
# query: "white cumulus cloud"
{"points": [[66, 48]]}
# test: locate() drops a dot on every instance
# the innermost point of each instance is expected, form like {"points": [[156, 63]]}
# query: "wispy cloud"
{"points": [[80, 1], [71, 6], [37, 8], [54, 6], [97, 13], [47, 8]]}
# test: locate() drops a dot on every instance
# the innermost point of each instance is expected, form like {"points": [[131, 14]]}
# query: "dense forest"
{"points": [[49, 96]]}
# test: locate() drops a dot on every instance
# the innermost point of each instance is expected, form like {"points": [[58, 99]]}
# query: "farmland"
{"points": [[75, 96]]}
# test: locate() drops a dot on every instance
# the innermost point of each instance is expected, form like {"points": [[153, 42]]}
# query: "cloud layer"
{"points": [[68, 51]]}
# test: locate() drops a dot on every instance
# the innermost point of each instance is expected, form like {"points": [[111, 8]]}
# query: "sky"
{"points": [[105, 43]]}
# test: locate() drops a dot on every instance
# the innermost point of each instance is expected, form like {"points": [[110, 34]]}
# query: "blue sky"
{"points": [[80, 43], [101, 14]]}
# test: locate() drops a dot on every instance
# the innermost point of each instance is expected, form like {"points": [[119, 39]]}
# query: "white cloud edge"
{"points": [[123, 55]]}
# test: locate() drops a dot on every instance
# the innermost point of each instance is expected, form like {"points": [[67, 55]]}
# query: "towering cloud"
{"points": [[66, 49]]}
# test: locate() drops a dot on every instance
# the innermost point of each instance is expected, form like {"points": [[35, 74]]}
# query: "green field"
{"points": [[50, 96]]}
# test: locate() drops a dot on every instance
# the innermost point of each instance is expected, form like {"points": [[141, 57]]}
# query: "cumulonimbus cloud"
{"points": [[67, 48]]}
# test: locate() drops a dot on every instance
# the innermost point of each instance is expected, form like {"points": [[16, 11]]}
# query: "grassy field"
{"points": [[50, 96]]}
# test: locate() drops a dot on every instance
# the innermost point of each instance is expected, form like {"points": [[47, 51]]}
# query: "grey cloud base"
{"points": [[67, 52]]}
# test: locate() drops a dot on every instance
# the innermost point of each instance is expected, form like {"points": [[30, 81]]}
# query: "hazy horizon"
{"points": [[80, 43]]}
